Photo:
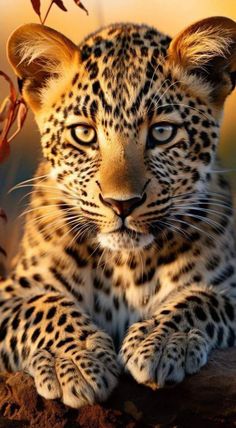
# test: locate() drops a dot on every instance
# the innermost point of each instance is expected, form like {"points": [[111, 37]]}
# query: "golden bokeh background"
{"points": [[169, 16]]}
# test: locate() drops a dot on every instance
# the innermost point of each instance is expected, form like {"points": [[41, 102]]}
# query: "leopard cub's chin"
{"points": [[117, 241]]}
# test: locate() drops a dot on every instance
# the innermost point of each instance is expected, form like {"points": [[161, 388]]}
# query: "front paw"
{"points": [[157, 356], [78, 376]]}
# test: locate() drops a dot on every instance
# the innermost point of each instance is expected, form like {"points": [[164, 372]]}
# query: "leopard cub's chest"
{"points": [[117, 296]]}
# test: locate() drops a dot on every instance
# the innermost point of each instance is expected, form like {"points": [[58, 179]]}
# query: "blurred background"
{"points": [[169, 16]]}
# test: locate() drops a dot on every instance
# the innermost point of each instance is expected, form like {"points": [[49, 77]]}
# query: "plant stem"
{"points": [[46, 15]]}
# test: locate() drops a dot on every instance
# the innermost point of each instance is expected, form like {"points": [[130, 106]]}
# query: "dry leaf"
{"points": [[36, 6], [5, 108], [13, 94], [78, 2], [11, 109], [4, 149], [21, 114], [60, 4]]}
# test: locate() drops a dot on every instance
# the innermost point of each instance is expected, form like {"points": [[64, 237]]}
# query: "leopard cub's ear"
{"points": [[208, 50], [38, 54]]}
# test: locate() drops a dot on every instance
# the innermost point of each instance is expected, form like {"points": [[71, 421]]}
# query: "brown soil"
{"points": [[207, 399]]}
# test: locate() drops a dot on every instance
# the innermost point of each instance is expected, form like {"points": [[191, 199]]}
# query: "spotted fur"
{"points": [[158, 284]]}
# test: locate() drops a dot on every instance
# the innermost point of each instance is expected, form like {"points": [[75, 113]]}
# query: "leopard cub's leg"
{"points": [[177, 340], [53, 340]]}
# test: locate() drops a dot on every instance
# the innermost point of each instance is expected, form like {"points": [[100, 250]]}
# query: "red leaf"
{"points": [[4, 150], [21, 114], [36, 6], [78, 3], [13, 94], [60, 4], [11, 109], [5, 108]]}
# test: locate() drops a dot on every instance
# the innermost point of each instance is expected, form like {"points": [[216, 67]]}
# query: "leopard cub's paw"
{"points": [[79, 377], [157, 358]]}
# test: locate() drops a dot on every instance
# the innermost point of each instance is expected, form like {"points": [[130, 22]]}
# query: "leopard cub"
{"points": [[128, 255]]}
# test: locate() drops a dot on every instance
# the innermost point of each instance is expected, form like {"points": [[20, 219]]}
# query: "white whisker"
{"points": [[208, 221], [191, 207], [194, 227]]}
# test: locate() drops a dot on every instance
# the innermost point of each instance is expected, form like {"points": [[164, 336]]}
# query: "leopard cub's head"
{"points": [[129, 119]]}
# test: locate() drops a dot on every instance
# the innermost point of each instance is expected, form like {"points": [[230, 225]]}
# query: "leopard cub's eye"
{"points": [[161, 133], [83, 134]]}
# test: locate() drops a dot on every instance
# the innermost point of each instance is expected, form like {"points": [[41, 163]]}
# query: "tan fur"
{"points": [[210, 42], [37, 53], [129, 234], [118, 174]]}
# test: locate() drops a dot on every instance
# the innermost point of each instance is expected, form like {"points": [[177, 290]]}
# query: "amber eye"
{"points": [[83, 134], [161, 133]]}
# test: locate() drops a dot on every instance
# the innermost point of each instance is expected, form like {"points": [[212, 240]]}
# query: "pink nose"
{"points": [[123, 208]]}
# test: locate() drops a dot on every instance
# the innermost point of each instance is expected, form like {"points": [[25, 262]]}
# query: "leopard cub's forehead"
{"points": [[126, 39], [121, 53]]}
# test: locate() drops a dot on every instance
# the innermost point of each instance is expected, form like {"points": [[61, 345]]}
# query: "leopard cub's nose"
{"points": [[123, 208]]}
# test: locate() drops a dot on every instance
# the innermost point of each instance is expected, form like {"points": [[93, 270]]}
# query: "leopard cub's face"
{"points": [[128, 132]]}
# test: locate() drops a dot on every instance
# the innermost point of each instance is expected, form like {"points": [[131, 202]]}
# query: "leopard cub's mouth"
{"points": [[124, 239]]}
